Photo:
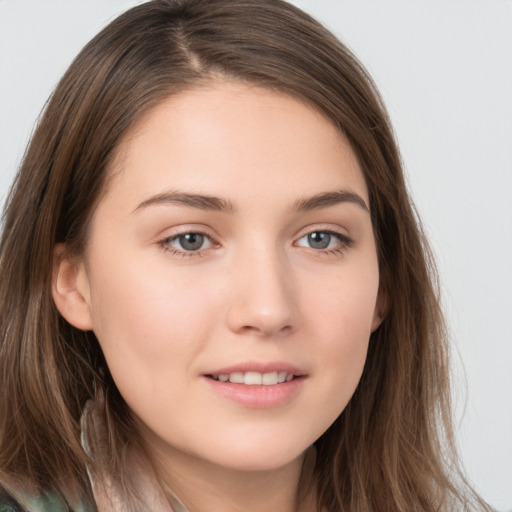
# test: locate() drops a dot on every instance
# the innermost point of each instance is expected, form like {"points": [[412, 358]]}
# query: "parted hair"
{"points": [[392, 448]]}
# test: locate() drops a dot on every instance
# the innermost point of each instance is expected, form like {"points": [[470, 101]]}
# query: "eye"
{"points": [[324, 240], [187, 242]]}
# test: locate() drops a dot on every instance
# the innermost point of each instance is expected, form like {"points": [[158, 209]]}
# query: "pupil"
{"points": [[191, 241], [319, 240]]}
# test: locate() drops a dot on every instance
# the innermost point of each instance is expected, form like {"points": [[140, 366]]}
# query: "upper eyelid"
{"points": [[168, 239], [187, 232], [187, 229], [323, 229]]}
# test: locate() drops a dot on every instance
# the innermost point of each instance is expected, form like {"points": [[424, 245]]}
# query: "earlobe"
{"points": [[70, 289], [381, 310], [377, 320]]}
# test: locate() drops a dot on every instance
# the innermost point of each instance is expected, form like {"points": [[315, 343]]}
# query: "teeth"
{"points": [[236, 378], [269, 379], [255, 378]]}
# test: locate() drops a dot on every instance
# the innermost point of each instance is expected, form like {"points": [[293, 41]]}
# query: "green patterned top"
{"points": [[44, 503]]}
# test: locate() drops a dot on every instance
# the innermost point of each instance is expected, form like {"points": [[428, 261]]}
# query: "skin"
{"points": [[255, 291]]}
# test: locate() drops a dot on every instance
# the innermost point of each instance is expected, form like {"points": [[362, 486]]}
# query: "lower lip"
{"points": [[259, 397]]}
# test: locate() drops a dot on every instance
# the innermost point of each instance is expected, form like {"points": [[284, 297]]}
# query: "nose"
{"points": [[262, 302]]}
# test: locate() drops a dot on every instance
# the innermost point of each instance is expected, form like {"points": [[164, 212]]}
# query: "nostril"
{"points": [[267, 330]]}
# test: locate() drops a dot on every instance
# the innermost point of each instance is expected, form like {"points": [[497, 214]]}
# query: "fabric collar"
{"points": [[109, 493]]}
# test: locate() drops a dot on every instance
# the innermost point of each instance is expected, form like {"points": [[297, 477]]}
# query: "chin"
{"points": [[254, 456]]}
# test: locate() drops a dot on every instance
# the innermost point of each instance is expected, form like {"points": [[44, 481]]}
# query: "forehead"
{"points": [[230, 138]]}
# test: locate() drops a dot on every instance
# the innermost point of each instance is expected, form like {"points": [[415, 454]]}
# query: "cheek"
{"points": [[340, 322], [152, 302], [344, 306], [150, 325]]}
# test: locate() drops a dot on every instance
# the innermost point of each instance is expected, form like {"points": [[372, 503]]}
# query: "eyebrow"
{"points": [[326, 199], [200, 201], [212, 203]]}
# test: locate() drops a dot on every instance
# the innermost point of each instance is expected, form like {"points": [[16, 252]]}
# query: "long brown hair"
{"points": [[392, 448]]}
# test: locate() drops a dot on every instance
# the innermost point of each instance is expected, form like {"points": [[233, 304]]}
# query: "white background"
{"points": [[444, 68]]}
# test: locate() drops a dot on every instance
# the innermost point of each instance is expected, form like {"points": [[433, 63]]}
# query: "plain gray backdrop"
{"points": [[444, 68]]}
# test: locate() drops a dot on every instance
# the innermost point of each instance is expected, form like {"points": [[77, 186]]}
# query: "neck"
{"points": [[205, 487]]}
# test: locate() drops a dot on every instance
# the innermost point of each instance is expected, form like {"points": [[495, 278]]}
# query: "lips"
{"points": [[259, 385]]}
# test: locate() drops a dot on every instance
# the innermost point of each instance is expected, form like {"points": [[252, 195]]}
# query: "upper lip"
{"points": [[260, 367]]}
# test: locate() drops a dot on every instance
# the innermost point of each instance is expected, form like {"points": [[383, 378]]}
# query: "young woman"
{"points": [[215, 292]]}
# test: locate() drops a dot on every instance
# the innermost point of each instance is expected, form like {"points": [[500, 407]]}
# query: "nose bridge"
{"points": [[263, 299]]}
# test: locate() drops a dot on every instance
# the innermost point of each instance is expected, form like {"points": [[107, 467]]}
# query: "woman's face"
{"points": [[234, 243]]}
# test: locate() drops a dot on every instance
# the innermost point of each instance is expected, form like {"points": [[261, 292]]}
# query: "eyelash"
{"points": [[344, 241], [165, 244]]}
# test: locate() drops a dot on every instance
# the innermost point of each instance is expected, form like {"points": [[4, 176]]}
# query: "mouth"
{"points": [[252, 378], [257, 385]]}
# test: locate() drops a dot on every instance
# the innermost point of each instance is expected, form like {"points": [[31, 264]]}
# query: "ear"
{"points": [[70, 289], [380, 311]]}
